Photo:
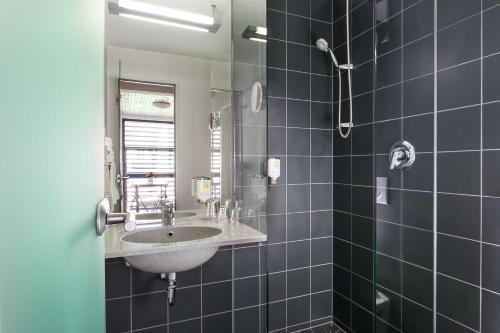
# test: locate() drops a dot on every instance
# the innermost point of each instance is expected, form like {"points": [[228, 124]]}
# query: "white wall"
{"points": [[193, 80]]}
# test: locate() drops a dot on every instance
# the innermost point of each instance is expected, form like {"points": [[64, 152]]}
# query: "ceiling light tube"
{"points": [[258, 34], [163, 15], [172, 24]]}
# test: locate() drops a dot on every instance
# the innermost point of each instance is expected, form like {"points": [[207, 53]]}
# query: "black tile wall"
{"points": [[434, 84], [300, 205], [211, 297]]}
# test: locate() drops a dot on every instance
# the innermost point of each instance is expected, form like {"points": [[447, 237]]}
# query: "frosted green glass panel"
{"points": [[51, 158]]}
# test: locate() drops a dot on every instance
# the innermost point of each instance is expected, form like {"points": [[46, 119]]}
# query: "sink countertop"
{"points": [[232, 234]]}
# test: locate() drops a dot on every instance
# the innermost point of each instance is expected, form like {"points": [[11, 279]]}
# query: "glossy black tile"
{"points": [[321, 251], [276, 141], [491, 26], [321, 196], [387, 133], [320, 30], [491, 227], [491, 117], [452, 11], [246, 262], [298, 85], [389, 34], [388, 273], [276, 24], [277, 315], [389, 68], [277, 5], [117, 279], [321, 170], [490, 80], [298, 254], [298, 29], [321, 142], [418, 21], [298, 141], [418, 209], [490, 306], [491, 270], [298, 310], [341, 253], [298, 282], [491, 178], [276, 229], [217, 297], [418, 285], [459, 86], [321, 278], [418, 95], [299, 58], [276, 53], [453, 124], [362, 262], [458, 301], [342, 226], [276, 257], [321, 10], [460, 42], [149, 310], [453, 252], [276, 82], [219, 268], [420, 132], [418, 247], [363, 15], [362, 201], [416, 318], [362, 140], [299, 7], [362, 170], [364, 106], [185, 326], [118, 315], [276, 200], [321, 305], [459, 215], [246, 320], [220, 323], [298, 226], [418, 58], [321, 88], [341, 281], [362, 292], [362, 320], [362, 48], [298, 169], [321, 115], [298, 198], [341, 309], [363, 231], [244, 292], [388, 239], [388, 102], [458, 180], [446, 325]]}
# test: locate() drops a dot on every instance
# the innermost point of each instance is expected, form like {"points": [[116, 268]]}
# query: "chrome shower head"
{"points": [[322, 45]]}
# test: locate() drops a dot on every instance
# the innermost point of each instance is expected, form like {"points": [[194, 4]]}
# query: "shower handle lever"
{"points": [[402, 155]]}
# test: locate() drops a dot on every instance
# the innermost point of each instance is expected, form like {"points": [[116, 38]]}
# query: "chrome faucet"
{"points": [[167, 212]]}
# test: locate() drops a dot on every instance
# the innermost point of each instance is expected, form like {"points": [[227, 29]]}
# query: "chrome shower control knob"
{"points": [[401, 156]]}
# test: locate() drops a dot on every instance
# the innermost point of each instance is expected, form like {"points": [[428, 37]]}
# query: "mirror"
{"points": [[168, 116]]}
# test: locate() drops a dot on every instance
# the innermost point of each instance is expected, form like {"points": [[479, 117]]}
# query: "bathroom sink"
{"points": [[176, 260], [157, 216]]}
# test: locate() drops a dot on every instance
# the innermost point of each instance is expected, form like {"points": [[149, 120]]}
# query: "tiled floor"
{"points": [[328, 328]]}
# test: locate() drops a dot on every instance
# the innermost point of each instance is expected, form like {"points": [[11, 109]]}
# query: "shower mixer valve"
{"points": [[401, 156]]}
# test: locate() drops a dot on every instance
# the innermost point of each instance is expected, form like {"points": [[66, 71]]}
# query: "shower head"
{"points": [[322, 45]]}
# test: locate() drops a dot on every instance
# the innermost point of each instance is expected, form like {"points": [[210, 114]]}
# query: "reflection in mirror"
{"points": [[169, 113]]}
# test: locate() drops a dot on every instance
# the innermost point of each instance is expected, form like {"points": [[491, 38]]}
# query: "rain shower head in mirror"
{"points": [[322, 45]]}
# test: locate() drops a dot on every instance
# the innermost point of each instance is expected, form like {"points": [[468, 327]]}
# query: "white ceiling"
{"points": [[129, 33]]}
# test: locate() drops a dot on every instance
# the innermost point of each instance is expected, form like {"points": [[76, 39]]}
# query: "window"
{"points": [[148, 150], [216, 162]]}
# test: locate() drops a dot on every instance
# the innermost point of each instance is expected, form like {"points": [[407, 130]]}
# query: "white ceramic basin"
{"points": [[174, 260]]}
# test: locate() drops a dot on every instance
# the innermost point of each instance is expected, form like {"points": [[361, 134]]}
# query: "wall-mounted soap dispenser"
{"points": [[200, 189], [273, 169]]}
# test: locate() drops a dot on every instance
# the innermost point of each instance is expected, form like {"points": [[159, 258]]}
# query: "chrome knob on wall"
{"points": [[401, 156]]}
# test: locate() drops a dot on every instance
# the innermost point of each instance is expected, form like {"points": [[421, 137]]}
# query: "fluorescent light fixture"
{"points": [[172, 24], [163, 15], [261, 31], [260, 40], [257, 34]]}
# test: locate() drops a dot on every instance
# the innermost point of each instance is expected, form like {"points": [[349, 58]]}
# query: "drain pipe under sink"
{"points": [[171, 286]]}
